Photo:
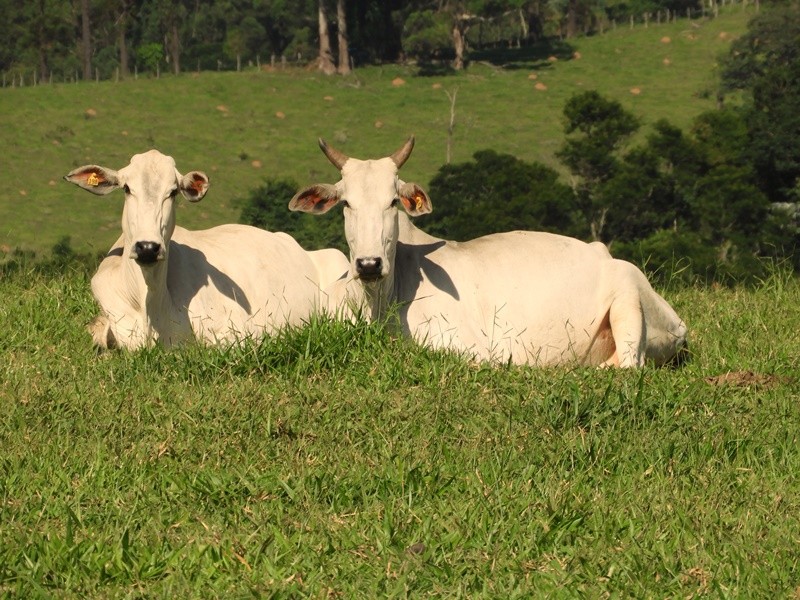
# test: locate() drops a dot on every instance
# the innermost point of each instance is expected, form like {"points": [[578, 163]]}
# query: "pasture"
{"points": [[241, 127], [337, 461]]}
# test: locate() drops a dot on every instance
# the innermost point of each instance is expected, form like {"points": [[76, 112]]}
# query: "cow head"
{"points": [[150, 182], [371, 194]]}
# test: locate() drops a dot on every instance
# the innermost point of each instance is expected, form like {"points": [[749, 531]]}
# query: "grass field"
{"points": [[222, 122], [337, 462]]}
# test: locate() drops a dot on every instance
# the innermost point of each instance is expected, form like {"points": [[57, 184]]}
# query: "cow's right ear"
{"points": [[315, 199], [95, 179]]}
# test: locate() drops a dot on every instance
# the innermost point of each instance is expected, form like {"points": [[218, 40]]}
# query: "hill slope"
{"points": [[241, 127]]}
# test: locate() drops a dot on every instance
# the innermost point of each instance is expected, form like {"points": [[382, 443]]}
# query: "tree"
{"points": [[498, 192], [123, 16], [765, 64], [326, 64], [86, 40], [244, 39], [344, 50], [266, 207], [603, 127], [693, 195]]}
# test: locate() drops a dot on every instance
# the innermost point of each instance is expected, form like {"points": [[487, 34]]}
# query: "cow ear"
{"points": [[316, 199], [414, 199], [95, 179], [194, 186]]}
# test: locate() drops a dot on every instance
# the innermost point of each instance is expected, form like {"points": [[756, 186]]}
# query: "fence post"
{"points": [[631, 21]]}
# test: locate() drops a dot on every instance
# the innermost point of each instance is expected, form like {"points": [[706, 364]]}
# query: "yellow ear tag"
{"points": [[418, 200], [93, 180]]}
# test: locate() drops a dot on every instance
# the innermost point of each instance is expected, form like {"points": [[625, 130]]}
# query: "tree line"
{"points": [[719, 202], [66, 39]]}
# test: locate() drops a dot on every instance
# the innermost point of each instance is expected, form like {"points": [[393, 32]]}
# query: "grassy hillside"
{"points": [[239, 127], [337, 462]]}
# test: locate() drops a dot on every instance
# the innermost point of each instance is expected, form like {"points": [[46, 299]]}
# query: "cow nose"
{"points": [[369, 268], [147, 252]]}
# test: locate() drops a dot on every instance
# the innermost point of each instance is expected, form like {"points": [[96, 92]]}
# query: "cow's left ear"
{"points": [[94, 178], [194, 186], [414, 199], [315, 199]]}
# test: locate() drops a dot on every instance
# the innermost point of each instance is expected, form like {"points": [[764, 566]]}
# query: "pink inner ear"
{"points": [[198, 183], [313, 201]]}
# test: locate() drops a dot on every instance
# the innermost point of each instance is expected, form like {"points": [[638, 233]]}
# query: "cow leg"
{"points": [[102, 335], [628, 329]]}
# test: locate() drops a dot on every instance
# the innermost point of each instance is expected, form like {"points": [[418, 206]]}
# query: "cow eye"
{"points": [[173, 192], [126, 189], [395, 202], [344, 203]]}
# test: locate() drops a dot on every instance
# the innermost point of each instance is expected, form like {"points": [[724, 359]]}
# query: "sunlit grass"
{"points": [[339, 460], [241, 127]]}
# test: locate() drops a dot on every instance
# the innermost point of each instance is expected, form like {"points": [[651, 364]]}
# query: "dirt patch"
{"points": [[746, 379]]}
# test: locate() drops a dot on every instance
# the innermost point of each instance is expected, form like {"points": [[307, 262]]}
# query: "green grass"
{"points": [[45, 132], [337, 461]]}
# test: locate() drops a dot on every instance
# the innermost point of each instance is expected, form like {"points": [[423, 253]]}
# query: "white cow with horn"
{"points": [[525, 297], [163, 283]]}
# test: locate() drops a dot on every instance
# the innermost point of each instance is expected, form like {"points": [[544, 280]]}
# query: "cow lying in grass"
{"points": [[524, 297], [163, 283]]}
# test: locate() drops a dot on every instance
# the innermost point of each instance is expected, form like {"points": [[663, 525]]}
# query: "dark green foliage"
{"points": [[602, 126], [426, 35], [637, 199], [498, 192], [267, 207], [695, 196], [702, 188], [765, 63]]}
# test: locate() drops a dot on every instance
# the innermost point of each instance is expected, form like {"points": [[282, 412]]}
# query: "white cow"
{"points": [[161, 282], [524, 297]]}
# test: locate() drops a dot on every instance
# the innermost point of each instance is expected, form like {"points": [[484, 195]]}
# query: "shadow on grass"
{"points": [[535, 56]]}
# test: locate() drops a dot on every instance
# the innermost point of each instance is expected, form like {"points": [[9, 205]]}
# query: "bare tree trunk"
{"points": [[325, 55], [42, 42], [175, 48], [572, 19], [460, 28], [86, 40], [452, 125], [122, 42], [344, 50], [523, 24]]}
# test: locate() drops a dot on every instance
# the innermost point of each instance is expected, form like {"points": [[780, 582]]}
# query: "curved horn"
{"points": [[401, 156], [337, 158]]}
